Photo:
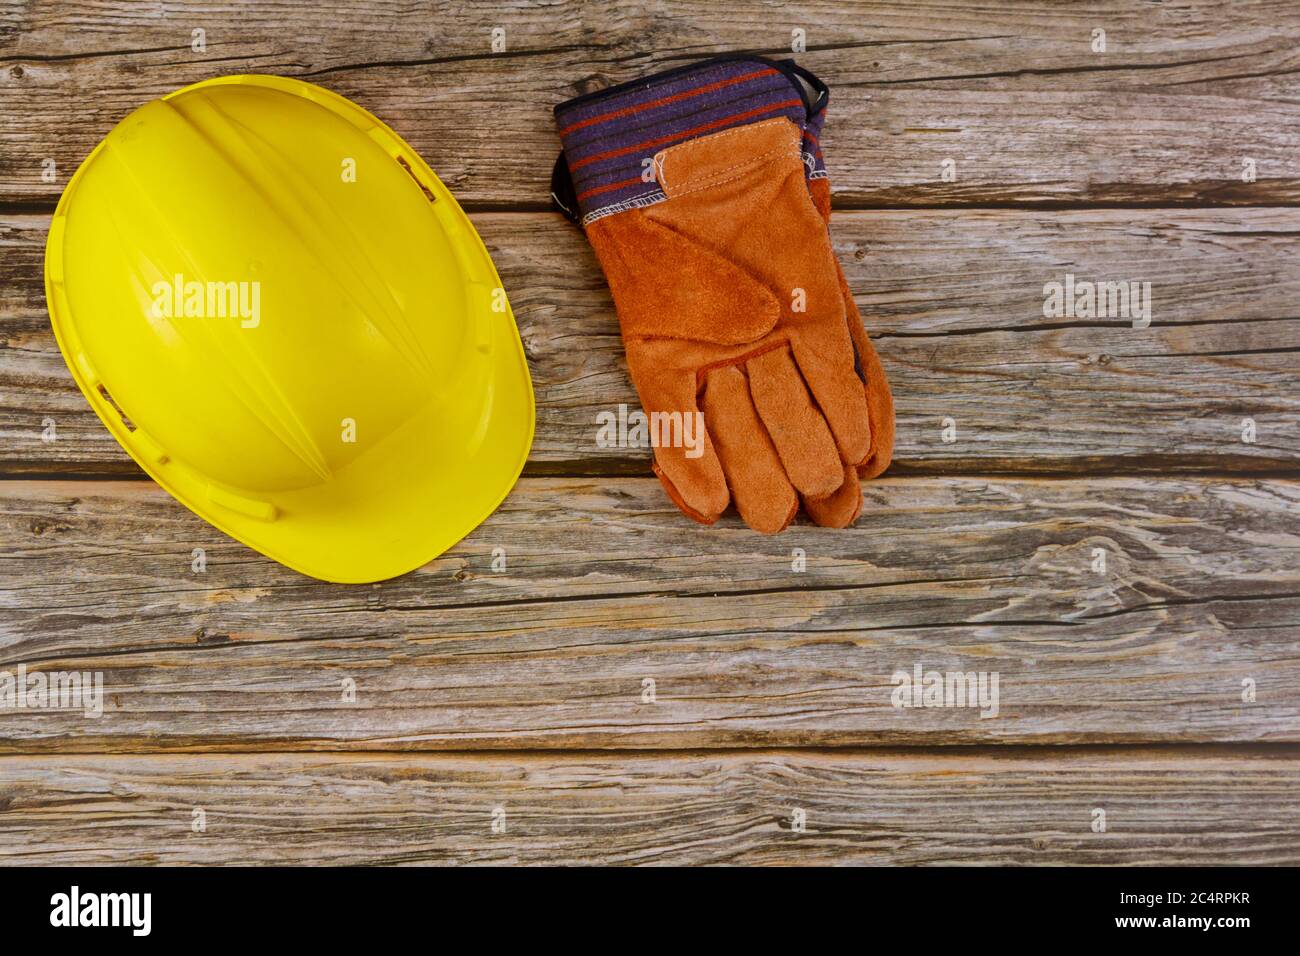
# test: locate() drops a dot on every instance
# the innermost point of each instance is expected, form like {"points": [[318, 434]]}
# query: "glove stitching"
{"points": [[703, 371], [736, 131], [721, 176], [718, 179]]}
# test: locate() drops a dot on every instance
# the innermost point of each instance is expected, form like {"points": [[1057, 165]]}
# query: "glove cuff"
{"points": [[610, 137]]}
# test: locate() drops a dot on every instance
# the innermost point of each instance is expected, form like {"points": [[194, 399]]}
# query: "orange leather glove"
{"points": [[729, 297]]}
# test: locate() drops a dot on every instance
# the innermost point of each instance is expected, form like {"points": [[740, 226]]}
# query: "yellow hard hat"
{"points": [[285, 318]]}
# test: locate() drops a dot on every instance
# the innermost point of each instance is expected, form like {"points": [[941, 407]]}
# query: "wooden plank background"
{"points": [[1171, 673], [603, 590], [1013, 92], [1028, 394], [897, 807]]}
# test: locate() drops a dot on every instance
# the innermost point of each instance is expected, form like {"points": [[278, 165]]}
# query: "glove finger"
{"points": [[880, 401], [841, 507], [826, 361], [685, 459], [880, 408], [798, 431], [759, 486]]}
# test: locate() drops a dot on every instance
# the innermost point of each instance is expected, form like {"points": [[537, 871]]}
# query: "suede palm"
{"points": [[731, 304]]}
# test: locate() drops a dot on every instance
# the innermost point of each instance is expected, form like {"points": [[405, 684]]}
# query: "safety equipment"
{"points": [[691, 187], [284, 317]]}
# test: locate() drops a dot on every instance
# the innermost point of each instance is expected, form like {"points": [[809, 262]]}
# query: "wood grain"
{"points": [[1161, 806], [954, 300], [1162, 686], [605, 586], [1014, 94]]}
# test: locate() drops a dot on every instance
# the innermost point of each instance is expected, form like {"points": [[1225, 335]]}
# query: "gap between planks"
{"points": [[920, 751]]}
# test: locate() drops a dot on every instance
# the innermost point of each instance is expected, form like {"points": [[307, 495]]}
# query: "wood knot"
{"points": [[16, 72], [592, 84]]}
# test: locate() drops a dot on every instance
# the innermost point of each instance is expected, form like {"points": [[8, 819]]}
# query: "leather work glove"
{"points": [[692, 188]]}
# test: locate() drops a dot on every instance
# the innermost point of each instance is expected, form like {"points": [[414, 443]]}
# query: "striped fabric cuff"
{"points": [[610, 137]]}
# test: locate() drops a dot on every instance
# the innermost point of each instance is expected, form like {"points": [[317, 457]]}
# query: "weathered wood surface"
{"points": [[955, 302], [604, 587], [1162, 806], [1014, 94]]}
